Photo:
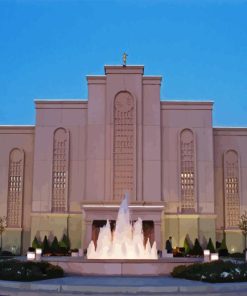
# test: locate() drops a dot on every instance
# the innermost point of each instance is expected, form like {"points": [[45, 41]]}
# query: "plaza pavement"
{"points": [[112, 285]]}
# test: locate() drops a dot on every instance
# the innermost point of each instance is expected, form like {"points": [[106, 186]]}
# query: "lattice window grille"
{"points": [[60, 171], [124, 146], [187, 170], [232, 201], [15, 189]]}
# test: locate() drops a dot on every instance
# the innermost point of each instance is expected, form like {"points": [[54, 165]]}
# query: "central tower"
{"points": [[123, 136], [124, 145]]}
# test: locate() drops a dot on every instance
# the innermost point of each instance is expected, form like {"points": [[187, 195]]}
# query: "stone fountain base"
{"points": [[120, 267]]}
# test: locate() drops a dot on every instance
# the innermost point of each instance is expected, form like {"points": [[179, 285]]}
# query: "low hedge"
{"points": [[15, 270], [213, 272]]}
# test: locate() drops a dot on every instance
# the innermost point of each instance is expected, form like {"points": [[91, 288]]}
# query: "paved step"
{"points": [[123, 285]]}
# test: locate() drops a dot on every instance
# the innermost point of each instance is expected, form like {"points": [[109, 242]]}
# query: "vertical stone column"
{"points": [[88, 234], [157, 234]]}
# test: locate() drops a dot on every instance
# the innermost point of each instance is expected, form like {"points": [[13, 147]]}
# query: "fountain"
{"points": [[116, 251], [126, 242]]}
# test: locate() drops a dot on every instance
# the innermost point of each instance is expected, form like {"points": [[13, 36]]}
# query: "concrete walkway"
{"points": [[118, 285]]}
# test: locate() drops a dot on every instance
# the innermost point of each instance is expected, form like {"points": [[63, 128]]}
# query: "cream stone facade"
{"points": [[68, 173]]}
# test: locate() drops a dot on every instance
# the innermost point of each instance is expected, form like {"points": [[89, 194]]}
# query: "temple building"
{"points": [[69, 172]]}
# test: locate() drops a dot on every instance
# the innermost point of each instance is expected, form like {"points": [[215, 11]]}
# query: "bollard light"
{"points": [[30, 256], [38, 253], [206, 254], [214, 256]]}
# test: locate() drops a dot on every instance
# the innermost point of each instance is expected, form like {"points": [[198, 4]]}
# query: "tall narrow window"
{"points": [[15, 188], [60, 170], [231, 184], [187, 171], [124, 146]]}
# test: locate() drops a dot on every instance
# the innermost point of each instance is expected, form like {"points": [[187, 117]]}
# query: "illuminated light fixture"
{"points": [[30, 256], [206, 254], [214, 257], [38, 253]]}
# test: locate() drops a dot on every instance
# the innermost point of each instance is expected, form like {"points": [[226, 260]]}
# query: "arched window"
{"points": [[231, 189], [60, 170], [15, 188], [187, 171], [124, 145]]}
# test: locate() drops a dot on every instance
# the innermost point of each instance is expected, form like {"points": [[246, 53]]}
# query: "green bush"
{"points": [[210, 246], [213, 272], [223, 251], [15, 270], [54, 245], [6, 254], [237, 255], [64, 243], [197, 249], [187, 245], [36, 244], [45, 246]]}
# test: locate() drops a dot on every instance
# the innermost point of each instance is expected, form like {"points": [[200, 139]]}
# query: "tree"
{"points": [[45, 245], [54, 245], [65, 243], [36, 244], [187, 245], [243, 227], [223, 251], [197, 249], [210, 246], [3, 224]]}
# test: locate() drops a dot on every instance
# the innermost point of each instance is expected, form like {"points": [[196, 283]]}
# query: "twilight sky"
{"points": [[198, 46]]}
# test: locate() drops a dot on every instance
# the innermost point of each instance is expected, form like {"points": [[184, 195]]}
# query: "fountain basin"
{"points": [[119, 267]]}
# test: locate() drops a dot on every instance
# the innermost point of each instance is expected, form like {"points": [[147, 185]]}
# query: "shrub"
{"points": [[217, 245], [54, 245], [223, 251], [197, 249], [6, 254], [214, 272], [74, 250], [15, 270], [210, 246], [64, 243], [187, 245], [45, 246], [31, 249], [36, 244], [237, 255]]}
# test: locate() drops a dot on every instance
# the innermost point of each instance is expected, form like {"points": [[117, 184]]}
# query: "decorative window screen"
{"points": [[60, 170], [231, 184], [15, 188], [187, 171], [124, 146]]}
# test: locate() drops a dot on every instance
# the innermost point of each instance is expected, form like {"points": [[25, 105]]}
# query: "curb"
{"points": [[111, 290]]}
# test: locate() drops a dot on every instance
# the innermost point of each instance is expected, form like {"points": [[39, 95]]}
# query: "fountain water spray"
{"points": [[126, 242]]}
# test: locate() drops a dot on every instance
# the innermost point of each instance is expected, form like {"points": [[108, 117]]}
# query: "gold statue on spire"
{"points": [[124, 59]]}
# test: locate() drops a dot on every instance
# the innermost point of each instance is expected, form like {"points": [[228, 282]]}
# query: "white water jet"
{"points": [[126, 242]]}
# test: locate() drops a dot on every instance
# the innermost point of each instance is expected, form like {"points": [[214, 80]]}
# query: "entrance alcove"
{"points": [[95, 216], [147, 226]]}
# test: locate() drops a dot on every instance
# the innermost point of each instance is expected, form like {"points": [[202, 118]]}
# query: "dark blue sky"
{"points": [[199, 47]]}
